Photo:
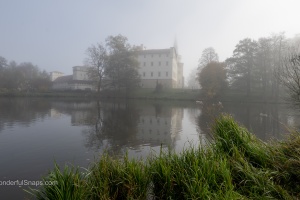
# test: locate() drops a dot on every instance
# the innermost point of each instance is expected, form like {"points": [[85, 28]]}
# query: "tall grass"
{"points": [[67, 184], [236, 166]]}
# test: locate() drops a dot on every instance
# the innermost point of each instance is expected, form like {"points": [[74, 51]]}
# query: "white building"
{"points": [[78, 81], [54, 75], [160, 66]]}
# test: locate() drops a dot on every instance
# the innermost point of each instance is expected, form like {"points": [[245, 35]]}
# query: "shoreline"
{"points": [[170, 95]]}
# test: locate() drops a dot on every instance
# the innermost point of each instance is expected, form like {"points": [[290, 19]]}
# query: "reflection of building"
{"points": [[160, 66], [55, 113], [159, 125], [78, 81], [80, 112], [147, 124]]}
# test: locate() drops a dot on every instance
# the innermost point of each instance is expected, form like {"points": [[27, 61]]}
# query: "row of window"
{"points": [[159, 63], [159, 55], [158, 74]]}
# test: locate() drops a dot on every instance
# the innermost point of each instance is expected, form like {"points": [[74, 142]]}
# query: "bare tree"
{"points": [[288, 74], [208, 55], [96, 60]]}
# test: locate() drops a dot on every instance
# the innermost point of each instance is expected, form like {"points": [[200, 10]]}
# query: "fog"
{"points": [[54, 35]]}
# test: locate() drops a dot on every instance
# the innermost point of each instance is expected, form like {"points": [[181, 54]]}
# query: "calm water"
{"points": [[36, 132]]}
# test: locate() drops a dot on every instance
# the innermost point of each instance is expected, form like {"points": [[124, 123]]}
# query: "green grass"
{"points": [[167, 94], [236, 165]]}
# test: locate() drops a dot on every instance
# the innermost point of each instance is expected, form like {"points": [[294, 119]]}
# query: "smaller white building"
{"points": [[54, 75], [79, 80]]}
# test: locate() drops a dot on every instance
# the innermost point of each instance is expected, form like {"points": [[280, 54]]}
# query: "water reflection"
{"points": [[120, 125], [35, 132], [22, 112]]}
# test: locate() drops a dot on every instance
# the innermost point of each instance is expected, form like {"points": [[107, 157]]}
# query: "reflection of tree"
{"points": [[263, 120], [209, 112], [117, 126], [22, 110], [114, 123]]}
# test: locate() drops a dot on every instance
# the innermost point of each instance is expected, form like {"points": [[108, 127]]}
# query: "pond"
{"points": [[35, 133]]}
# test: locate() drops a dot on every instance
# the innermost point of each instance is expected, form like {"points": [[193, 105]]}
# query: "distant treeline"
{"points": [[252, 70], [22, 77]]}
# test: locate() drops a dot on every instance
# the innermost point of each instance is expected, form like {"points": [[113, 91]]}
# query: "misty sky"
{"points": [[54, 34]]}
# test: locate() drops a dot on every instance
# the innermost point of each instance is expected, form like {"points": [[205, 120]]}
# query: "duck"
{"points": [[199, 102], [263, 114]]}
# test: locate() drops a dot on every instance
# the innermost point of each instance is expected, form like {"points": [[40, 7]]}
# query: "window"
{"points": [[144, 56], [151, 74], [167, 55], [159, 63], [159, 55], [158, 74], [144, 63], [167, 63], [144, 74], [151, 63], [151, 55], [167, 74]]}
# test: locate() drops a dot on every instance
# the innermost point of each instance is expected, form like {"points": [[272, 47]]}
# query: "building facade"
{"points": [[160, 66], [79, 80]]}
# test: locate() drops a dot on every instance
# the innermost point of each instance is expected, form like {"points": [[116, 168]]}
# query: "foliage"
{"points": [[288, 74], [3, 62], [242, 63], [237, 165], [114, 65], [23, 77], [212, 79], [122, 67], [252, 66]]}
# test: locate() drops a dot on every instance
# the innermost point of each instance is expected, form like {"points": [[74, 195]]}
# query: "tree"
{"points": [[288, 74], [279, 44], [208, 55], [122, 65], [264, 59], [96, 60], [212, 79], [241, 64], [24, 76], [192, 81], [3, 62]]}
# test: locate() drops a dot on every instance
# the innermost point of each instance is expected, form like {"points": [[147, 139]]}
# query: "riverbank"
{"points": [[236, 166], [148, 94]]}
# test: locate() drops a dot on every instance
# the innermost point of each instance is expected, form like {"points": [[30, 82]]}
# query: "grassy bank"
{"points": [[166, 94], [47, 94], [147, 94], [236, 166]]}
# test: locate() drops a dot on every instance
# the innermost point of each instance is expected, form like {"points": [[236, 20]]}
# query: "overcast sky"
{"points": [[54, 34]]}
